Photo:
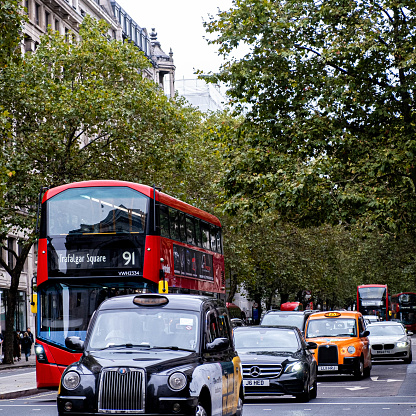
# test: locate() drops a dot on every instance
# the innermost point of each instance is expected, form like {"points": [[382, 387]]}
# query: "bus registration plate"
{"points": [[327, 368], [256, 383]]}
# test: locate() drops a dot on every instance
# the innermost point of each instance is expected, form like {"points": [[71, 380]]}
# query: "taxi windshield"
{"points": [[332, 327], [145, 328]]}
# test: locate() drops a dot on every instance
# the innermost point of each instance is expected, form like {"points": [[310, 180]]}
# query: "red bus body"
{"points": [[291, 306], [77, 270], [373, 299], [403, 308]]}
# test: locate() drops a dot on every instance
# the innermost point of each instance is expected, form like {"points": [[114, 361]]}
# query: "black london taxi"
{"points": [[154, 354]]}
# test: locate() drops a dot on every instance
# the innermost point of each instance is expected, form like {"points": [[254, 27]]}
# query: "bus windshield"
{"points": [[67, 308], [97, 210]]}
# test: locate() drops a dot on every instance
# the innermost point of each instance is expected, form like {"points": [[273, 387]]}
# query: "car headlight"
{"points": [[351, 349], [71, 380], [294, 367], [402, 344], [177, 381]]}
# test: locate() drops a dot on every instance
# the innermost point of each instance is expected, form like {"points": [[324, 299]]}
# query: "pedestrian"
{"points": [[16, 346], [26, 345], [30, 334]]}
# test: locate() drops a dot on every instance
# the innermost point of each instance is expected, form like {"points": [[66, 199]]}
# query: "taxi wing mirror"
{"points": [[365, 333], [311, 345], [219, 344], [74, 343]]}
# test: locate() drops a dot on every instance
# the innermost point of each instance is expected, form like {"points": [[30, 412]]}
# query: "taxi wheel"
{"points": [[200, 410], [359, 371], [239, 410]]}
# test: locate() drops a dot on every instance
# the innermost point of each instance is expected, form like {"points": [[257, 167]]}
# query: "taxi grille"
{"points": [[327, 354], [121, 389], [261, 370]]}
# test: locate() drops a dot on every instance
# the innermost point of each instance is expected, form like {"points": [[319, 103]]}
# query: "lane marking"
{"points": [[18, 375]]}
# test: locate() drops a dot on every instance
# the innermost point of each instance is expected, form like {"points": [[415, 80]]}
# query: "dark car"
{"points": [[286, 318], [277, 361], [152, 355]]}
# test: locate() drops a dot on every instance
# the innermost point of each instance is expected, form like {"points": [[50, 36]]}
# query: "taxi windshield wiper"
{"points": [[127, 345], [172, 347]]}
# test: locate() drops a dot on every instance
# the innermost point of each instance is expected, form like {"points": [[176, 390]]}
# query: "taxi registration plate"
{"points": [[256, 383], [327, 368]]}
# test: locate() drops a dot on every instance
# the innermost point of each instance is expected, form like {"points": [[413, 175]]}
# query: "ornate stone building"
{"points": [[67, 15]]}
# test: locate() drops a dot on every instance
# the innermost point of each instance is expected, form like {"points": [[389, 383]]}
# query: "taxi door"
{"points": [[365, 343], [219, 327]]}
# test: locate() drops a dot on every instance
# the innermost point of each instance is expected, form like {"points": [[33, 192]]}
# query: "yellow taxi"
{"points": [[343, 345]]}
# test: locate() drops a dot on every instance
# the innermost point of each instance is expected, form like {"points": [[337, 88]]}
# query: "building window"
{"points": [[37, 11], [47, 20], [57, 25], [20, 317], [27, 6]]}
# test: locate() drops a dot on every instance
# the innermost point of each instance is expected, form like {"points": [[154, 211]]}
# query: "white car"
{"points": [[369, 319], [390, 341]]}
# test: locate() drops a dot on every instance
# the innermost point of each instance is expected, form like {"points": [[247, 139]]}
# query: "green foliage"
{"points": [[327, 90], [11, 22], [83, 109]]}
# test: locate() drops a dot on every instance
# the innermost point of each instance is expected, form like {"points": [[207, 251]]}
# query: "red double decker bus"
{"points": [[100, 239], [373, 300], [403, 307]]}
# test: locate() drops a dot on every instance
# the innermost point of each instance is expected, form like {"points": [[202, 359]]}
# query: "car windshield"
{"points": [[266, 339], [147, 328], [331, 327], [385, 330], [287, 319]]}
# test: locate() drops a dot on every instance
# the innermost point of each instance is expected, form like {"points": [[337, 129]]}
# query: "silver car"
{"points": [[390, 341]]}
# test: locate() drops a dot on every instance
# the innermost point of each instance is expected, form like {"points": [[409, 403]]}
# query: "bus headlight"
{"points": [[177, 381], [71, 380], [40, 354]]}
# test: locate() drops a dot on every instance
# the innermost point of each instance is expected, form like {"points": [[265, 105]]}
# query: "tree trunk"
{"points": [[12, 300]]}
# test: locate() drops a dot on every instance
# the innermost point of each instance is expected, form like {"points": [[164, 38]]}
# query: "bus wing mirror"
{"points": [[74, 343]]}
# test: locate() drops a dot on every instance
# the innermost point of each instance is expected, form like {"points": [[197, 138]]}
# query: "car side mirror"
{"points": [[365, 333], [409, 333], [74, 343], [311, 345], [219, 344]]}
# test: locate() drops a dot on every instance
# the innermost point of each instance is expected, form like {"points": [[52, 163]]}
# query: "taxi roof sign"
{"points": [[332, 314], [150, 300]]}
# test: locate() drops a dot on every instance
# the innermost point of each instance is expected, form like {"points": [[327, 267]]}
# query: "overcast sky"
{"points": [[179, 26]]}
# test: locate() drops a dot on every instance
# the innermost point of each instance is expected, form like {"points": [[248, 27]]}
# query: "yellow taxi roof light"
{"points": [[332, 314]]}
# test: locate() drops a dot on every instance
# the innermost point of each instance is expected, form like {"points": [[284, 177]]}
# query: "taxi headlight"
{"points": [[177, 381], [402, 344], [71, 380], [351, 349], [294, 367]]}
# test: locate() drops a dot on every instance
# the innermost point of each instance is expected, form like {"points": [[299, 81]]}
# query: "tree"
{"points": [[76, 110], [11, 21], [327, 90]]}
